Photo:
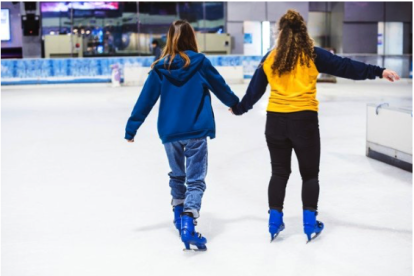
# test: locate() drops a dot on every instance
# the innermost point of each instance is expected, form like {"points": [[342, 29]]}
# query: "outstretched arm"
{"points": [[217, 84], [328, 63], [255, 90], [146, 100]]}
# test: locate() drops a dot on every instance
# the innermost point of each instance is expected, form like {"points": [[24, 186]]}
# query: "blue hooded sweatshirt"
{"points": [[185, 110]]}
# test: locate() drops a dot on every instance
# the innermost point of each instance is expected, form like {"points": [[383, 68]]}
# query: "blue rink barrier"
{"points": [[94, 70]]}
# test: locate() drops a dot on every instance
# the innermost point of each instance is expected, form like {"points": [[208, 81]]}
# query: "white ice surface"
{"points": [[78, 200]]}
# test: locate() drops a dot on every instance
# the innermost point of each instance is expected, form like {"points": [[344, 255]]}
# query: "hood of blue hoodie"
{"points": [[177, 73]]}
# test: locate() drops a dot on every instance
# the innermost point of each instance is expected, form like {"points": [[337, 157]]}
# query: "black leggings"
{"points": [[298, 131]]}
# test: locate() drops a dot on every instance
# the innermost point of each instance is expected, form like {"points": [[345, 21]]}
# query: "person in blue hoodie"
{"points": [[182, 79]]}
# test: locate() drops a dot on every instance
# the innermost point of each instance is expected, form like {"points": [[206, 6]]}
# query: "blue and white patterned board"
{"points": [[7, 69], [226, 60], [72, 70], [250, 64]]}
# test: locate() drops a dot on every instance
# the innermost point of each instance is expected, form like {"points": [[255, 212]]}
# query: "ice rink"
{"points": [[78, 200]]}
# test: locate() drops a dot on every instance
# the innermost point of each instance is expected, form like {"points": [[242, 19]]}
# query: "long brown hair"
{"points": [[293, 43], [180, 37]]}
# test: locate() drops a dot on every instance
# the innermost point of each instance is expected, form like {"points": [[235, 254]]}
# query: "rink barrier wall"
{"points": [[387, 141], [134, 75], [98, 70]]}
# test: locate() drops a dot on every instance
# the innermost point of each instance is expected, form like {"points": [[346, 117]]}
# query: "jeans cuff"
{"points": [[176, 201], [195, 212]]}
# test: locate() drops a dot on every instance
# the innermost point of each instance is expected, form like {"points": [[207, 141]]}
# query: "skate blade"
{"points": [[195, 250], [281, 228], [314, 237], [272, 238]]}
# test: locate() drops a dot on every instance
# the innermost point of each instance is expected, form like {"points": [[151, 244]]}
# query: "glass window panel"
{"points": [[98, 28], [125, 28], [214, 17], [154, 20]]}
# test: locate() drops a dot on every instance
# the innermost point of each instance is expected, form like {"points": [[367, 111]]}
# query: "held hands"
{"points": [[231, 111], [390, 75]]}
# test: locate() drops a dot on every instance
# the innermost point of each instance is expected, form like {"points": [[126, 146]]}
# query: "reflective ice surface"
{"points": [[78, 200]]}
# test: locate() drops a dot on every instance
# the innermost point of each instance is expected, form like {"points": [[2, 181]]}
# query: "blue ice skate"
{"points": [[189, 236], [275, 223], [178, 209], [311, 225]]}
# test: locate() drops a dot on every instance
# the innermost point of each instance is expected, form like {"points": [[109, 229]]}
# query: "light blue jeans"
{"points": [[188, 160]]}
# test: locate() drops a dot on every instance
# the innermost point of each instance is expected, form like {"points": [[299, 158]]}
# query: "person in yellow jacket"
{"points": [[291, 69]]}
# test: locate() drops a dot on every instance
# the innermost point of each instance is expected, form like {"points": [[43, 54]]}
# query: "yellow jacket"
{"points": [[293, 91], [296, 91]]}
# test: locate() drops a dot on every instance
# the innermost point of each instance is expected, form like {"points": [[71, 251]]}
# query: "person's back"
{"points": [[182, 78], [185, 108], [292, 122], [294, 91]]}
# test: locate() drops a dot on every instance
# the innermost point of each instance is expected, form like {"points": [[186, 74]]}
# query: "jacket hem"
{"points": [[189, 135]]}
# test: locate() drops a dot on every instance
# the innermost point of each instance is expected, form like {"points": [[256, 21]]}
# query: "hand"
{"points": [[130, 141], [390, 75], [231, 111]]}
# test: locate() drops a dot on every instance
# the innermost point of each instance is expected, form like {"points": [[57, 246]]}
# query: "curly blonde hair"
{"points": [[293, 43]]}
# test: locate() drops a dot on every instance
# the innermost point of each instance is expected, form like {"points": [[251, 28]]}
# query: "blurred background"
{"points": [[374, 32]]}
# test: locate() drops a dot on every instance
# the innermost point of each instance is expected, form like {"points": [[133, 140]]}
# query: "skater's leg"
{"points": [[306, 143], [195, 151], [196, 167], [307, 146], [176, 160], [280, 148]]}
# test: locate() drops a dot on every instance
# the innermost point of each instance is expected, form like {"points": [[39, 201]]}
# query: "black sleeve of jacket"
{"points": [[328, 63], [255, 90]]}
